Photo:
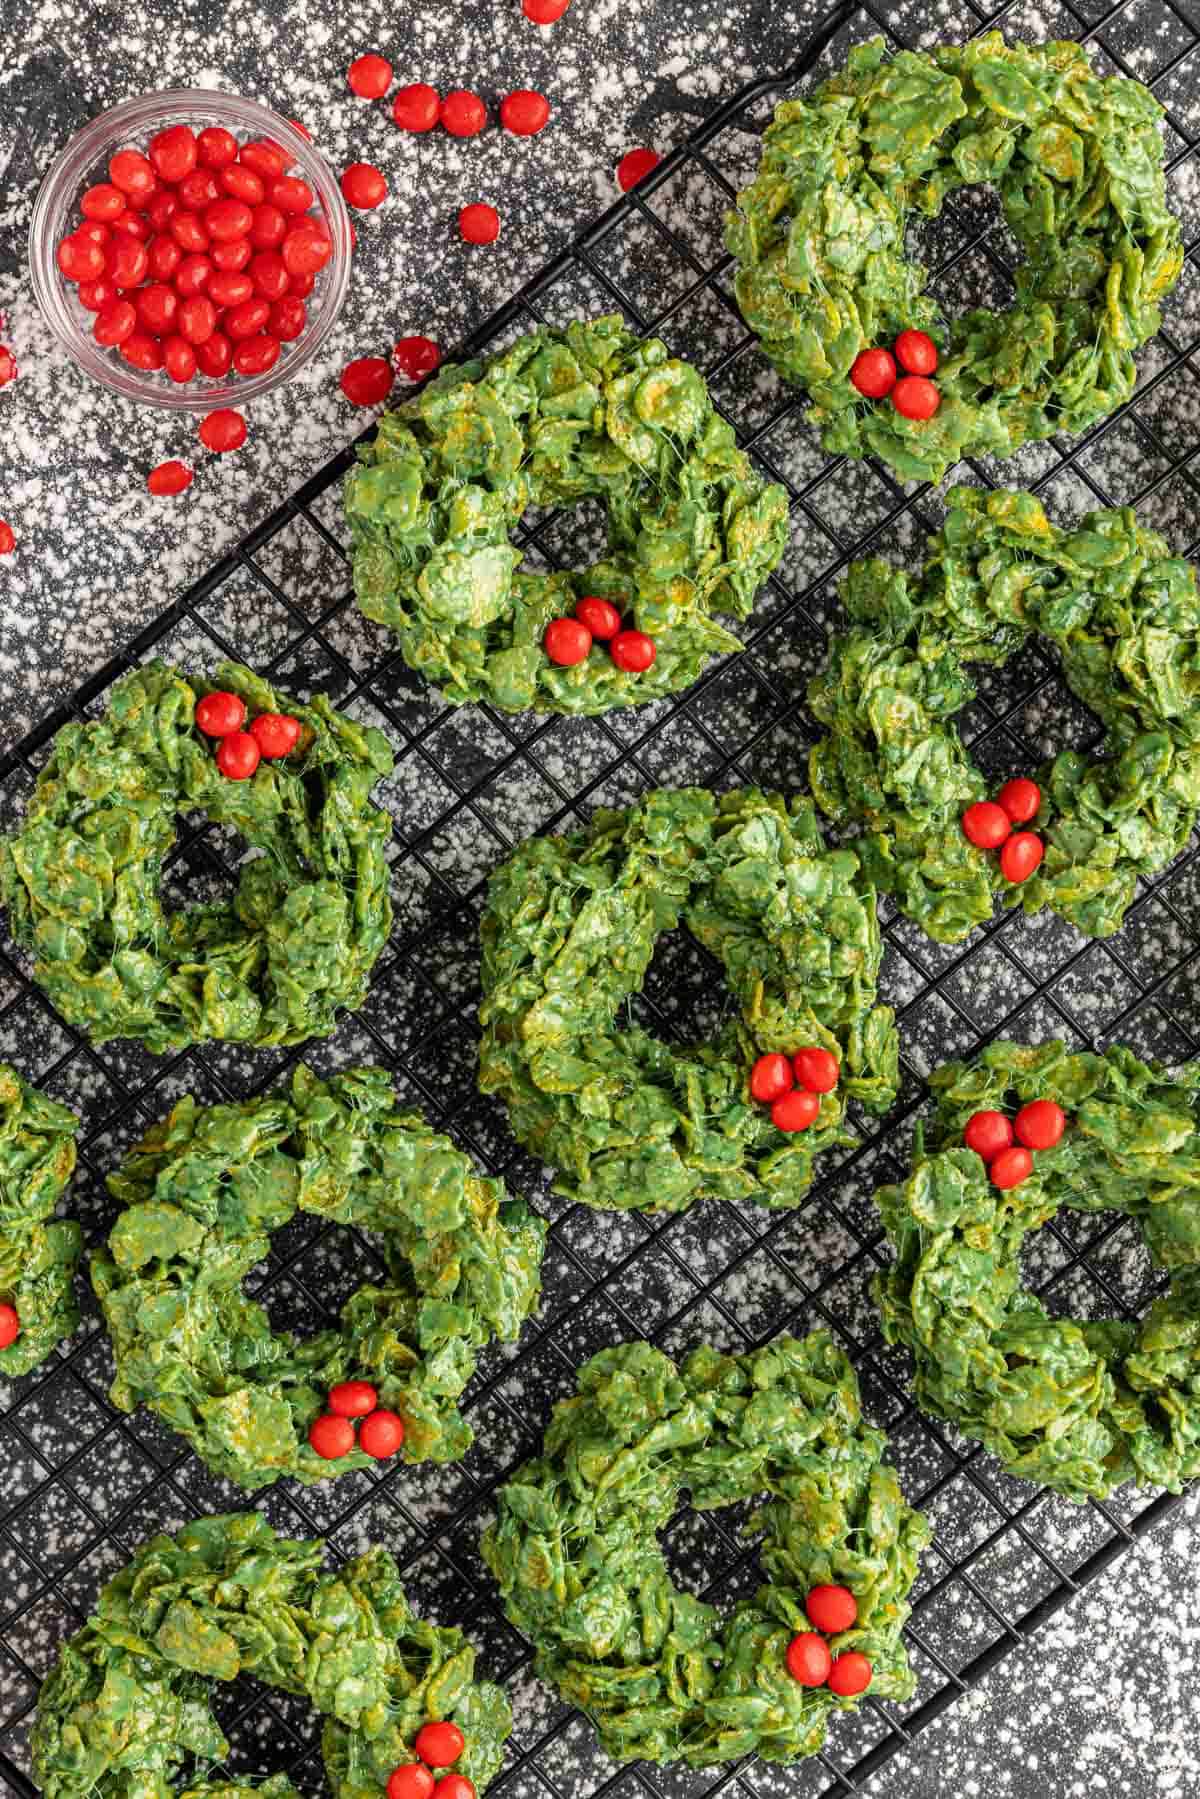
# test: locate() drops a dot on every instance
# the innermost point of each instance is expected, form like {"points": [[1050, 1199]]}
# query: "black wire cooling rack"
{"points": [[83, 1485]]}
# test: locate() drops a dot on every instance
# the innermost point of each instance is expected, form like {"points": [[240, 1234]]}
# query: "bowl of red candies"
{"points": [[190, 249]]}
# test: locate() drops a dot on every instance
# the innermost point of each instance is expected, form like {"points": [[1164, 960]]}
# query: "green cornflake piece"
{"points": [[661, 1675], [1078, 1406], [627, 1121], [1122, 613], [126, 1707], [1077, 161], [203, 1193], [588, 413], [38, 1252], [272, 964]]}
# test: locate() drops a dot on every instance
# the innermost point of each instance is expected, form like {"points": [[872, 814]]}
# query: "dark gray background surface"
{"points": [[1104, 1701]]}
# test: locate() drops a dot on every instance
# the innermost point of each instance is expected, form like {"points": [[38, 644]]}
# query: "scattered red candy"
{"points": [[417, 357], [331, 1437], [600, 616], [567, 641], [276, 734], [1040, 1124], [440, 1743], [808, 1659], [850, 1674], [363, 186], [1010, 1167], [480, 223], [220, 714], [916, 353], [986, 825], [524, 112], [370, 76], [634, 166], [238, 756], [544, 12], [10, 1325], [1021, 799], [416, 107], [816, 1069], [987, 1133], [170, 478], [873, 373], [771, 1077], [8, 542], [915, 397], [223, 430], [463, 113], [796, 1110], [381, 1434], [412, 1781], [368, 381], [1021, 855], [350, 1398], [831, 1609]]}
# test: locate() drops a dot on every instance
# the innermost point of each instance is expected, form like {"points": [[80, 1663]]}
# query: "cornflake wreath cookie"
{"points": [[660, 1674], [203, 1193], [591, 412], [1123, 615], [126, 1706], [1078, 1406], [82, 877], [627, 1121], [38, 1252], [1076, 159]]}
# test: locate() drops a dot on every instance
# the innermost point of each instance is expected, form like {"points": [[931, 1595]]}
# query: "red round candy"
{"points": [[187, 228], [244, 184], [350, 1398], [331, 1437], [173, 152], [1040, 1124], [291, 194], [164, 256], [171, 478], [114, 323], [141, 351], [227, 219], [463, 113], [8, 540], [816, 1069], [544, 12], [162, 208], [179, 358], [524, 112], [127, 261], [634, 166], [223, 430], [300, 286], [850, 1674], [454, 1786], [247, 315], [1021, 855], [255, 355], [1021, 799], [986, 825], [157, 306], [600, 616], [228, 287], [197, 319], [267, 275], [305, 249], [238, 756], [1010, 1167], [130, 171], [103, 201], [796, 1110], [197, 190], [220, 714], [98, 231], [192, 276], [412, 1781], [915, 397], [479, 223], [214, 354], [370, 76], [808, 1659], [831, 1609], [287, 318], [633, 651], [92, 294], [269, 226], [439, 1744], [364, 186], [417, 357], [916, 353], [873, 373], [215, 147], [416, 107], [771, 1077], [567, 642], [987, 1133], [381, 1434], [80, 258], [10, 1325], [276, 734], [368, 381], [8, 366], [265, 158]]}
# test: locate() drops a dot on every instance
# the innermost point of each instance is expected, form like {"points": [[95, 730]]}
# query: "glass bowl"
{"points": [[85, 160]]}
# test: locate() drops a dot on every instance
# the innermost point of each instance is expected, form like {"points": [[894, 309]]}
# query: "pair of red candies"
{"points": [[1006, 1144], [792, 1085], [380, 1434], [913, 394], [272, 735], [809, 1658], [568, 640], [438, 1745], [988, 824]]}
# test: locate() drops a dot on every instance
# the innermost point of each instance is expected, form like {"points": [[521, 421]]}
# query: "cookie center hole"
{"points": [[966, 253], [684, 998]]}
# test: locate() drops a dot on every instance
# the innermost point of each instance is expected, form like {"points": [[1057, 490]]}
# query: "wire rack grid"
{"points": [[85, 1485]]}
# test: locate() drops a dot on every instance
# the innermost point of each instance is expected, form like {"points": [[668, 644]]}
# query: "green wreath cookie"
{"points": [[1076, 159], [1079, 1406], [1123, 615], [662, 1675], [127, 1705], [37, 1259], [628, 1121], [82, 877], [205, 1190], [592, 412]]}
